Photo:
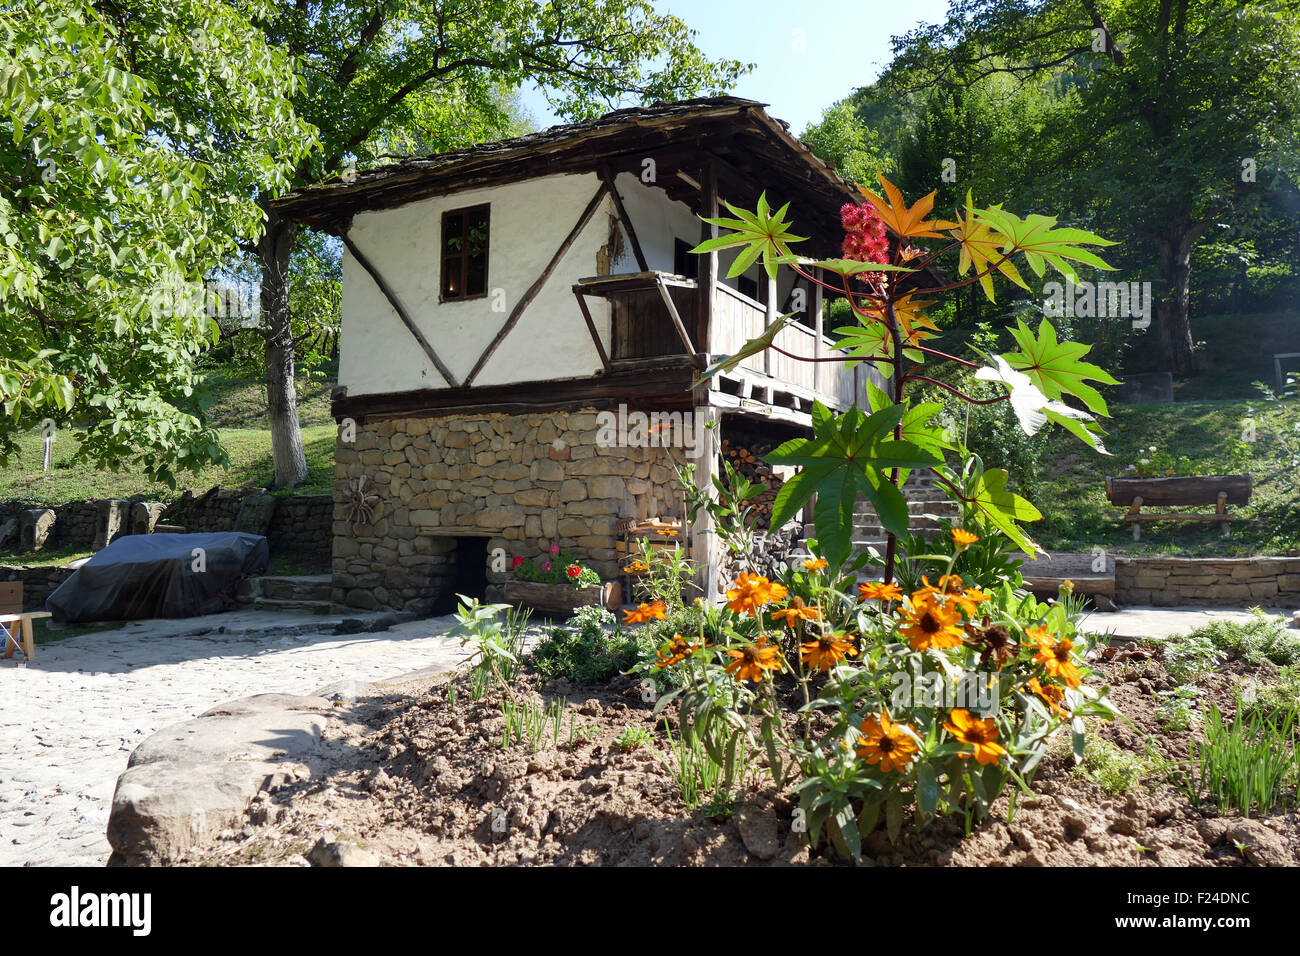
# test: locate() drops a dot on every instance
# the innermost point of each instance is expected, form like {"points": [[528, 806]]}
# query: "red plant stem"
{"points": [[956, 391], [829, 358], [951, 486]]}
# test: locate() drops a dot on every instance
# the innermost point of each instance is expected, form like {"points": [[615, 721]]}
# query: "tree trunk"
{"points": [[273, 250], [1173, 328]]}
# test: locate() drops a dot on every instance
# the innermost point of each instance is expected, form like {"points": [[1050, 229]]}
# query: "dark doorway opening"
{"points": [[469, 567]]}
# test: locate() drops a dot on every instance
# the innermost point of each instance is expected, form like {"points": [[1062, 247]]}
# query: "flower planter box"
{"points": [[563, 599]]}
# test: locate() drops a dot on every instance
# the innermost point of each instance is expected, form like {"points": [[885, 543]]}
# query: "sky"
{"points": [[808, 53]]}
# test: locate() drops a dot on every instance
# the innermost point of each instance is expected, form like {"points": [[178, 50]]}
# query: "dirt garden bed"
{"points": [[425, 780]]}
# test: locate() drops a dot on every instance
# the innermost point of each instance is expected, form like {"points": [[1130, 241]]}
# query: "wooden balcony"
{"points": [[737, 318], [654, 315]]}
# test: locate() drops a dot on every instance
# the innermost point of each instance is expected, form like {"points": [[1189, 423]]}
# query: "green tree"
{"points": [[381, 76], [134, 139], [1173, 115]]}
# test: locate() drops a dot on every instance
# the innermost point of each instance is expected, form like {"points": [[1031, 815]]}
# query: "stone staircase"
{"points": [[927, 504], [306, 593]]}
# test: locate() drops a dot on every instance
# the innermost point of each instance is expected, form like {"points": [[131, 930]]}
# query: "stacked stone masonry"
{"points": [[1219, 582], [525, 482]]}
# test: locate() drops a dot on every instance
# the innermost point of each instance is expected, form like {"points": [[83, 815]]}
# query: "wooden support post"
{"points": [[1134, 509], [706, 550], [768, 319], [595, 335], [1221, 508], [707, 274], [819, 350], [676, 317], [608, 179]]}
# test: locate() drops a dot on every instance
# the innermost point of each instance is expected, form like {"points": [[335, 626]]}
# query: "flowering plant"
{"points": [[891, 695], [558, 567]]}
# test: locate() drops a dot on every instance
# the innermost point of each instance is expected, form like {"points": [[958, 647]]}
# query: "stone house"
{"points": [[502, 304]]}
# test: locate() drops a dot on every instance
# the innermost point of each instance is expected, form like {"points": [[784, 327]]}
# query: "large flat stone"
{"points": [[263, 703], [260, 735]]}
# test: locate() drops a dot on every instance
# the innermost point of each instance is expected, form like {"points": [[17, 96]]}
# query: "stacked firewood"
{"points": [[747, 458]]}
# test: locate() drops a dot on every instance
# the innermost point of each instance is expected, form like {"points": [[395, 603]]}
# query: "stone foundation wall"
{"points": [[525, 482], [39, 581], [1225, 582], [302, 524]]}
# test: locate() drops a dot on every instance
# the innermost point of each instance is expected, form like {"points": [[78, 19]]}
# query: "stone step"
{"points": [[299, 607], [297, 587]]}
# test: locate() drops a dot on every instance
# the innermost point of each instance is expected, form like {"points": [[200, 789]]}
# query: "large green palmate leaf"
{"points": [[1041, 243], [847, 457], [1005, 509], [761, 232], [1055, 367]]}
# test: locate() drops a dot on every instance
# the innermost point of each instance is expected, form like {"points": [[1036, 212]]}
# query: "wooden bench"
{"points": [[16, 623], [1217, 490]]}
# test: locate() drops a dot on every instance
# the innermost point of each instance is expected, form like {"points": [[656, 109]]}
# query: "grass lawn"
{"points": [[1077, 516], [239, 414]]}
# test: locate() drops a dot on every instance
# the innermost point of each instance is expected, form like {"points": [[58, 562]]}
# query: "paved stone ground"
{"points": [[70, 719], [1134, 623]]}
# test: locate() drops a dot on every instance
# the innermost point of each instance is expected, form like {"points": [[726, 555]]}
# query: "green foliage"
{"points": [[529, 721], [130, 165], [1265, 637], [1113, 769], [590, 650], [1249, 765], [695, 772], [1190, 658], [632, 738]]}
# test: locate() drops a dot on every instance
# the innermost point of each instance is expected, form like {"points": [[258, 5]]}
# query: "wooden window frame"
{"points": [[463, 256]]}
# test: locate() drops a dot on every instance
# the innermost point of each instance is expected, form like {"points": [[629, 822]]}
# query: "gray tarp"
{"points": [[157, 575]]}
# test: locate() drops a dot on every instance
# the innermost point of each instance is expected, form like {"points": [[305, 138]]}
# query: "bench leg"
{"points": [[1137, 530], [29, 639]]}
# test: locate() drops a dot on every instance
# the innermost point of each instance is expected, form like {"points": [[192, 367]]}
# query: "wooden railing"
{"points": [[737, 318]]}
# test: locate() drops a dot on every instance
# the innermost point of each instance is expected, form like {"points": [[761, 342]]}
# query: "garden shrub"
{"points": [[1265, 637], [590, 649]]}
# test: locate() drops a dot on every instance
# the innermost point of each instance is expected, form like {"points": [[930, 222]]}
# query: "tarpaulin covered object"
{"points": [[159, 575]]}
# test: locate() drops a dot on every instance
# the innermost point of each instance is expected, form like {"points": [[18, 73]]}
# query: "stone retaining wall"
{"points": [[1217, 582], [39, 581], [525, 482]]}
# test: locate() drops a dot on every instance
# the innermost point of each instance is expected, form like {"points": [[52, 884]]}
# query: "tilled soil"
{"points": [[418, 780]]}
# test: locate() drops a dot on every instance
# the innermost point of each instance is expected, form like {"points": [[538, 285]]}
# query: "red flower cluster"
{"points": [[517, 561], [865, 238], [573, 570]]}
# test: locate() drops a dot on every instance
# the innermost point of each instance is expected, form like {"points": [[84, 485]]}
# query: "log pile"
{"points": [[747, 458]]}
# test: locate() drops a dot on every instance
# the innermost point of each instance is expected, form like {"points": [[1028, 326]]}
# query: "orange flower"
{"points": [[666, 532], [637, 567], [645, 612], [930, 623], [676, 651], [1049, 694], [879, 591], [815, 564], [825, 652], [751, 592], [950, 589], [752, 660], [963, 538], [796, 612], [886, 743], [982, 735], [1055, 656]]}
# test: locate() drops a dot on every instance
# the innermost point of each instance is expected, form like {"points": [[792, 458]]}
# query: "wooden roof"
{"points": [[751, 151]]}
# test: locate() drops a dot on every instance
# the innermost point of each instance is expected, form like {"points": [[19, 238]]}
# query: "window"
{"points": [[464, 253], [684, 263]]}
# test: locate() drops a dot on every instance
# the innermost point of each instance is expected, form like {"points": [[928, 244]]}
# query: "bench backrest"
{"points": [[1186, 490]]}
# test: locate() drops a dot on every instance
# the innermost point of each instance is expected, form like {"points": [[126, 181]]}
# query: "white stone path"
{"points": [[70, 719]]}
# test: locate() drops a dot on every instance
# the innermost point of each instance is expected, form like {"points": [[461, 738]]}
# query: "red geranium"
{"points": [[573, 570], [518, 561]]}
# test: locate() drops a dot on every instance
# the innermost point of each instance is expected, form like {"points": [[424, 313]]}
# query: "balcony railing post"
{"points": [[819, 350], [768, 320]]}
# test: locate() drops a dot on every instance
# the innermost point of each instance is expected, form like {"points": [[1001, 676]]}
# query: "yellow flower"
{"points": [[637, 567], [751, 592], [796, 612], [666, 532], [886, 743], [752, 660], [676, 651], [825, 652], [645, 612], [930, 623], [963, 538], [815, 564], [1055, 656], [1067, 585], [982, 735], [879, 591], [1049, 694]]}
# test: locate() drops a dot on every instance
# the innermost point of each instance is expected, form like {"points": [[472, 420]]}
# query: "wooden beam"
{"points": [[677, 319], [708, 271], [536, 287], [768, 319], [591, 327], [608, 179], [819, 347], [402, 314]]}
